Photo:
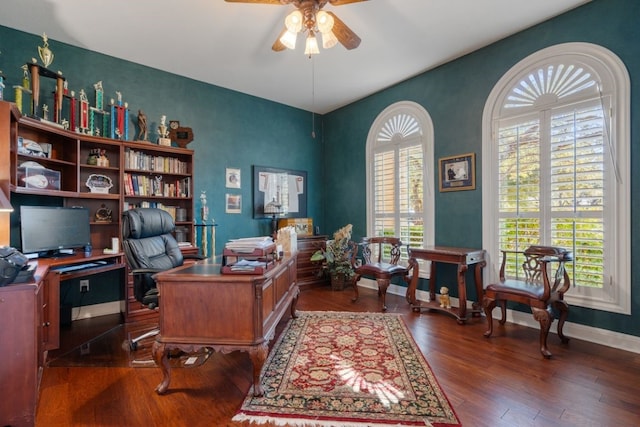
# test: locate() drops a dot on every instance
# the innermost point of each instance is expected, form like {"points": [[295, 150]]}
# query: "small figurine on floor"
{"points": [[445, 301]]}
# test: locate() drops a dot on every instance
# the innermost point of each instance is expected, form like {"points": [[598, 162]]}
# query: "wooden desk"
{"points": [[30, 327], [463, 257], [201, 308]]}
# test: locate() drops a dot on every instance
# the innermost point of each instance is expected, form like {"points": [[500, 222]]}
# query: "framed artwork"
{"points": [[279, 192], [233, 203], [457, 173], [233, 178]]}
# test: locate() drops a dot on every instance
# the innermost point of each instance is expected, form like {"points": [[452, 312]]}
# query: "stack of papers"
{"points": [[247, 265], [249, 244]]}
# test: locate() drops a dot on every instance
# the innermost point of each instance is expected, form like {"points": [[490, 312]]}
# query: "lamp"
{"points": [[273, 208], [321, 22]]}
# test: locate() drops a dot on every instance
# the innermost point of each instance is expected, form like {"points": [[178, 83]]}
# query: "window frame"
{"points": [[614, 91], [425, 137]]}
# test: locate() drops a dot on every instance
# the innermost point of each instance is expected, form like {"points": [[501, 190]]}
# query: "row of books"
{"points": [[144, 185], [172, 210], [142, 161]]}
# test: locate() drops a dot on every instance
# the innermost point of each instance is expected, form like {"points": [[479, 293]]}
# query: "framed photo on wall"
{"points": [[457, 173], [279, 192], [233, 203], [233, 178]]}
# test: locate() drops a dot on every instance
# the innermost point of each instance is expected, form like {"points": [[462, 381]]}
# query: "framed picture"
{"points": [[233, 178], [233, 203], [458, 173], [279, 192]]}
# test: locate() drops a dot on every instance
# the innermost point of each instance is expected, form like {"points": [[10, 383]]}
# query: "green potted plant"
{"points": [[337, 257]]}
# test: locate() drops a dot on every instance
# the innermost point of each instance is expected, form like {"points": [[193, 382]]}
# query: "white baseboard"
{"points": [[95, 310], [573, 330]]}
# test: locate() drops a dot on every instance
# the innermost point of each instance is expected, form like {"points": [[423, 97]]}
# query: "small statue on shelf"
{"points": [[142, 125], [163, 132]]}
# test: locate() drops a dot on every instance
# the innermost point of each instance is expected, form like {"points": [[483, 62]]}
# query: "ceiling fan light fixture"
{"points": [[293, 21], [329, 40], [289, 39], [324, 21], [311, 47]]}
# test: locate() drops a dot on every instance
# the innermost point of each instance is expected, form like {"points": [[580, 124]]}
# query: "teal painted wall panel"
{"points": [[230, 129], [454, 94]]}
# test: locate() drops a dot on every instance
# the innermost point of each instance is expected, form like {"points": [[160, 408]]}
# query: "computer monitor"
{"points": [[46, 230]]}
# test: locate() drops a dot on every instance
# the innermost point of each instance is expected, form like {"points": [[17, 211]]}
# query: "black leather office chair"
{"points": [[150, 248]]}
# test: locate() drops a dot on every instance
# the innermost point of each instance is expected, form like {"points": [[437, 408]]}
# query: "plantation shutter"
{"points": [[551, 187]]}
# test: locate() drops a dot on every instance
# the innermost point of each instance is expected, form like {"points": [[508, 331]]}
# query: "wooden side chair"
{"points": [[380, 257], [542, 287]]}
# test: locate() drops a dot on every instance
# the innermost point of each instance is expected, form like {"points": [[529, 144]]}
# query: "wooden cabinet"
{"points": [[309, 273], [24, 351]]}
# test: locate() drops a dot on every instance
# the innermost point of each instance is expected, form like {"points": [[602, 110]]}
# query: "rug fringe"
{"points": [[299, 422]]}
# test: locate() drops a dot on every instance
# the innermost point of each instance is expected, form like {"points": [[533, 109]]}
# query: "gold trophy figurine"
{"points": [[46, 55]]}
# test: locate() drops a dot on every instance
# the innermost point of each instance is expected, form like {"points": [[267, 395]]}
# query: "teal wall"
{"points": [[236, 130], [454, 94], [230, 129]]}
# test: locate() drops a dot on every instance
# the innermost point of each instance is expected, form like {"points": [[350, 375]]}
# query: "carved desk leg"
{"points": [[258, 355], [161, 356], [294, 301]]}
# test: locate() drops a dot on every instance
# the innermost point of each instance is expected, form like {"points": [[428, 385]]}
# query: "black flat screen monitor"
{"points": [[46, 230]]}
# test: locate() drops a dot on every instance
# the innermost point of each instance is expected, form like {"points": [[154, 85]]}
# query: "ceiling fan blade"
{"points": [[256, 1], [344, 34], [341, 2], [277, 45]]}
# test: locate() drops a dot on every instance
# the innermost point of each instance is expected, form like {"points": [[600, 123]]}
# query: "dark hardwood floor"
{"points": [[501, 381]]}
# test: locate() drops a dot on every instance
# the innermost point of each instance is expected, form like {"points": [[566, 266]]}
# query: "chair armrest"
{"points": [[139, 271], [193, 256]]}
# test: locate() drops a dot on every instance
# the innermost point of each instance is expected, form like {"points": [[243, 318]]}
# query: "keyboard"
{"points": [[75, 267]]}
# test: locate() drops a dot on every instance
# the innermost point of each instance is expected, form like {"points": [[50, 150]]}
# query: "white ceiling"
{"points": [[229, 44]]}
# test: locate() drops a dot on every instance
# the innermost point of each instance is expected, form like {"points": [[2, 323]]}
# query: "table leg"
{"points": [[432, 282], [462, 293], [413, 282], [160, 355], [258, 355], [477, 305]]}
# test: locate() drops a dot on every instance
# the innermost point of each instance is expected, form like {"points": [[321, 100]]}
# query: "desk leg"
{"points": [[258, 355], [477, 305], [462, 293], [161, 357]]}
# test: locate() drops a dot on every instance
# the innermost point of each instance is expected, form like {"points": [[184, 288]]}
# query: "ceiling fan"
{"points": [[309, 18]]}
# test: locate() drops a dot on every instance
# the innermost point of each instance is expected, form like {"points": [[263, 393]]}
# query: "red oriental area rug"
{"points": [[348, 369]]}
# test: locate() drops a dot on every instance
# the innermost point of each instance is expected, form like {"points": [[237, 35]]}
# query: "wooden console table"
{"points": [[201, 308], [463, 257]]}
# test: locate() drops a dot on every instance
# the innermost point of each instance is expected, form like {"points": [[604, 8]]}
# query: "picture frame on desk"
{"points": [[457, 173]]}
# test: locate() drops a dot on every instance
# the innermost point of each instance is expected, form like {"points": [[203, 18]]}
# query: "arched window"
{"points": [[556, 167], [400, 175]]}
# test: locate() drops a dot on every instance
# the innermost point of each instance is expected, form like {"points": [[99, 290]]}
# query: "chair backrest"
{"points": [[536, 270], [148, 243], [381, 249]]}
